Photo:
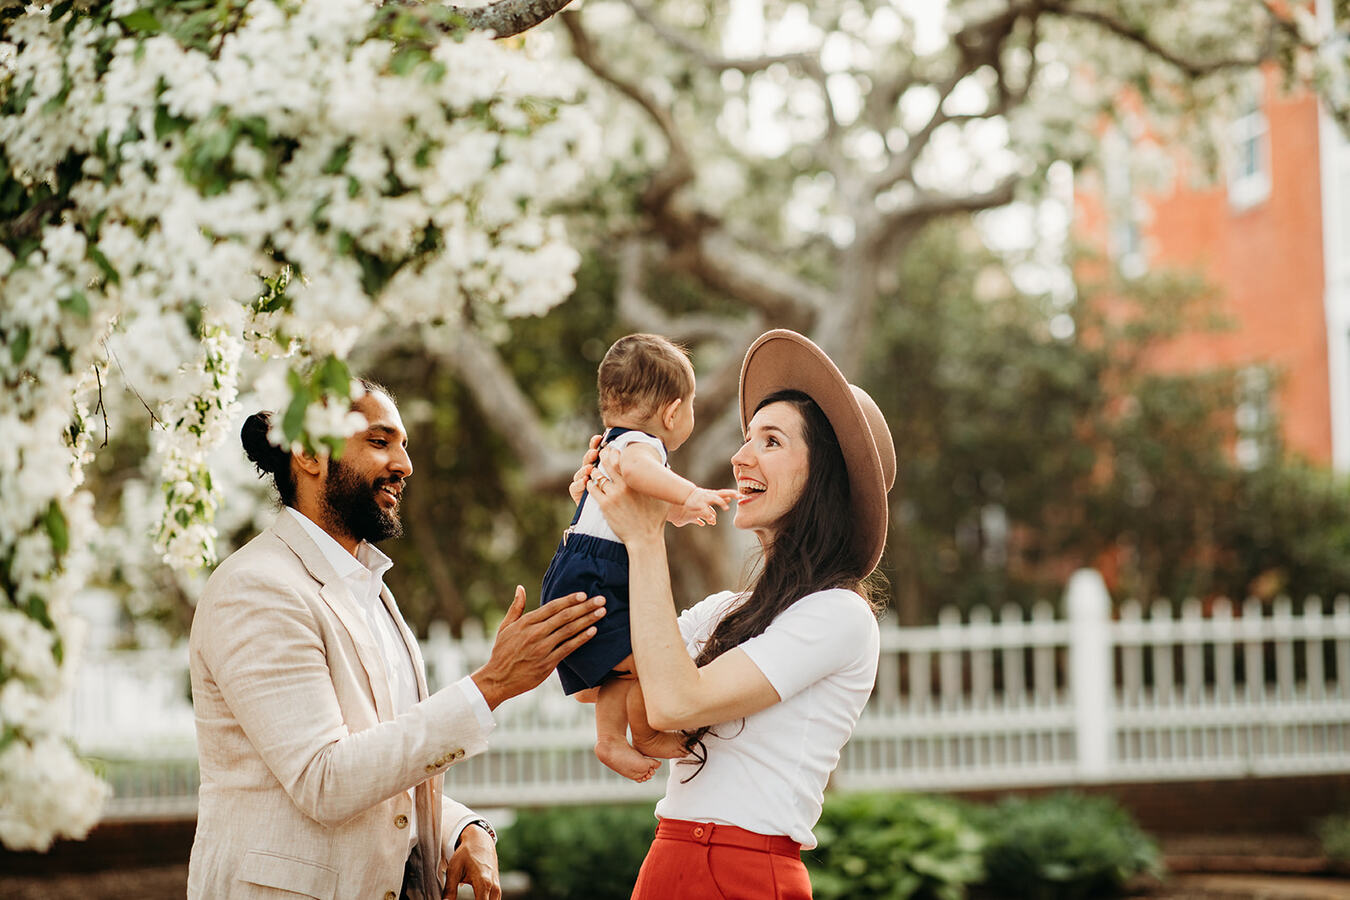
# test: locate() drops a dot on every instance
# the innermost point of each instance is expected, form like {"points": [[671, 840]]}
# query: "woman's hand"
{"points": [[633, 516], [583, 474]]}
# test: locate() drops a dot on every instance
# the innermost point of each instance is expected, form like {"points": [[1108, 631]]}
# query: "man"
{"points": [[322, 754]]}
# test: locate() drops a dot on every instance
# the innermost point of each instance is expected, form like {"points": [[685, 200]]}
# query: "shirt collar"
{"points": [[369, 559]]}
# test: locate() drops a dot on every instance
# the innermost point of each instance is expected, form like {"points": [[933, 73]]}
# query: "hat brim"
{"points": [[785, 360]]}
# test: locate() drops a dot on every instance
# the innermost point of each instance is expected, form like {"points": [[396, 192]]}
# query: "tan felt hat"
{"points": [[783, 360]]}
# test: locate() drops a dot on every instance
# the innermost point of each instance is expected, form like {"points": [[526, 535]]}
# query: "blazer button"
{"points": [[430, 768], [400, 821], [390, 895], [458, 754]]}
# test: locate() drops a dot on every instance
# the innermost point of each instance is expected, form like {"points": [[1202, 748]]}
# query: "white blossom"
{"points": [[181, 205]]}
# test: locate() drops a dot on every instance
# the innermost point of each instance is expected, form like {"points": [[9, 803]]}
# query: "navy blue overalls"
{"points": [[594, 566]]}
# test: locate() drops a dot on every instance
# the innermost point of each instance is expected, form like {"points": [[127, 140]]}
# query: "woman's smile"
{"points": [[770, 468]]}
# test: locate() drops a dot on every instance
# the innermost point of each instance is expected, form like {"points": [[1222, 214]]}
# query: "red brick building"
{"points": [[1274, 235]]}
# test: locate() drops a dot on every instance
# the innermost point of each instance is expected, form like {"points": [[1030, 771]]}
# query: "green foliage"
{"points": [[579, 853], [1334, 834], [891, 847], [1287, 530], [1026, 451], [872, 847], [1063, 846]]}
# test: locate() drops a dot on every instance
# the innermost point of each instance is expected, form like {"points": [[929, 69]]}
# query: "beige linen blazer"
{"points": [[305, 770]]}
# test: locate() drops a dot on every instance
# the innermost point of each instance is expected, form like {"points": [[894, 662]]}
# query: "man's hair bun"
{"points": [[269, 458]]}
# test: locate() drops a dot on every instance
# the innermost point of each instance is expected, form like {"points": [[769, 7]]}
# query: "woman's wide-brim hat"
{"points": [[783, 360]]}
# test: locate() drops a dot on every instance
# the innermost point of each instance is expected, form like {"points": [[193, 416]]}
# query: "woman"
{"points": [[768, 683]]}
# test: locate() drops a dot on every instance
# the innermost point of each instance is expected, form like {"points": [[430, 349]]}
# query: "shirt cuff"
{"points": [[478, 704], [452, 835]]}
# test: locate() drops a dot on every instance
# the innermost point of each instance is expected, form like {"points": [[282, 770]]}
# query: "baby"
{"points": [[646, 388]]}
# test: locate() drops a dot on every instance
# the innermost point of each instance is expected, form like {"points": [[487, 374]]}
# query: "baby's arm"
{"points": [[642, 469]]}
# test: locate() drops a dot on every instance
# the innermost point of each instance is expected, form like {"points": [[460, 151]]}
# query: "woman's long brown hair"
{"points": [[815, 547]]}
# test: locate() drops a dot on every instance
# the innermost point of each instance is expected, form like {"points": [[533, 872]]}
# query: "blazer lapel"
{"points": [[339, 599]]}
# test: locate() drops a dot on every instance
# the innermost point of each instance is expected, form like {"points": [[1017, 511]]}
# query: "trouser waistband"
{"points": [[729, 835]]}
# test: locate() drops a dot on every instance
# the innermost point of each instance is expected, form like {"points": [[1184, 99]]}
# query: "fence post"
{"points": [[1090, 672]]}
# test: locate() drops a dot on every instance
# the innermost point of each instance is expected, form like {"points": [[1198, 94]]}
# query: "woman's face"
{"points": [[770, 468]]}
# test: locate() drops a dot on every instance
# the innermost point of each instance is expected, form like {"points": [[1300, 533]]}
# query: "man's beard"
{"points": [[351, 505]]}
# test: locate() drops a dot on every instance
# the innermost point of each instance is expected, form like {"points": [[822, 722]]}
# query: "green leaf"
{"points": [[333, 377], [18, 348], [338, 159], [77, 304], [294, 420], [407, 59], [57, 100], [142, 21], [55, 521], [104, 266], [166, 124], [38, 612]]}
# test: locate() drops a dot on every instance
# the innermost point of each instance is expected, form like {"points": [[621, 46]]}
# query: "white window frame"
{"points": [[1249, 142], [1125, 233]]}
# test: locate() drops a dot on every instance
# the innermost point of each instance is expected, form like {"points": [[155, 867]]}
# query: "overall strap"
{"points": [[605, 440]]}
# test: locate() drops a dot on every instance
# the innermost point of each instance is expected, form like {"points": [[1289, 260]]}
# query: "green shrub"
{"points": [[892, 847], [1334, 834], [1063, 847], [579, 852]]}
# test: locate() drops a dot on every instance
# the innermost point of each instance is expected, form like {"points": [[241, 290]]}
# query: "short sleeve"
{"points": [[641, 437], [822, 634], [698, 621]]}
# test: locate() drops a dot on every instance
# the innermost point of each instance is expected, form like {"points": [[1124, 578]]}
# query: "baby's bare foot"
{"points": [[661, 745], [622, 758]]}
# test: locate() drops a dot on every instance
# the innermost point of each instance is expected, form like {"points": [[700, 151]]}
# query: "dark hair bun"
{"points": [[269, 458]]}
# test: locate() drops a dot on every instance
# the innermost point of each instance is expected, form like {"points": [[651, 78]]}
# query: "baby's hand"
{"points": [[700, 507]]}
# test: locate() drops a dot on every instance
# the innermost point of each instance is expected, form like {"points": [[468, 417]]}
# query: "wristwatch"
{"points": [[481, 823]]}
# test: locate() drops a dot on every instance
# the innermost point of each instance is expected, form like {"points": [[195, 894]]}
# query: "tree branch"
{"points": [[979, 44], [677, 171], [695, 51], [783, 299], [31, 220], [638, 310], [1142, 39], [929, 205], [512, 415], [508, 18]]}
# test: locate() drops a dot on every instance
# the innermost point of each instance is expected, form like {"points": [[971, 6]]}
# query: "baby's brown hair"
{"points": [[642, 372]]}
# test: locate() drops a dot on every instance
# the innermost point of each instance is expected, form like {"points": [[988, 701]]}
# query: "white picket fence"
{"points": [[1218, 693]]}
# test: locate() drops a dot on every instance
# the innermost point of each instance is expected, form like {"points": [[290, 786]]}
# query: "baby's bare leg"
{"points": [[611, 733], [659, 744]]}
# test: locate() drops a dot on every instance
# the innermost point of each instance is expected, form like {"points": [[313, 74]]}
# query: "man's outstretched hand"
{"points": [[530, 645]]}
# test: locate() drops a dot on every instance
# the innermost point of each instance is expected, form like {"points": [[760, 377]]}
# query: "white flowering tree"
{"points": [[778, 158], [188, 185]]}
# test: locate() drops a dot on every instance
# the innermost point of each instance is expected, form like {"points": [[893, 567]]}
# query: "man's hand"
{"points": [[474, 863], [530, 645]]}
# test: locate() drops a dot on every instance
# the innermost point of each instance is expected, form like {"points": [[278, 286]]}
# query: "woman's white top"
{"points": [[592, 520], [769, 774]]}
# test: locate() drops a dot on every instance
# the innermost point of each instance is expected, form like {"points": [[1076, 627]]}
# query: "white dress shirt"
{"points": [[364, 577]]}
